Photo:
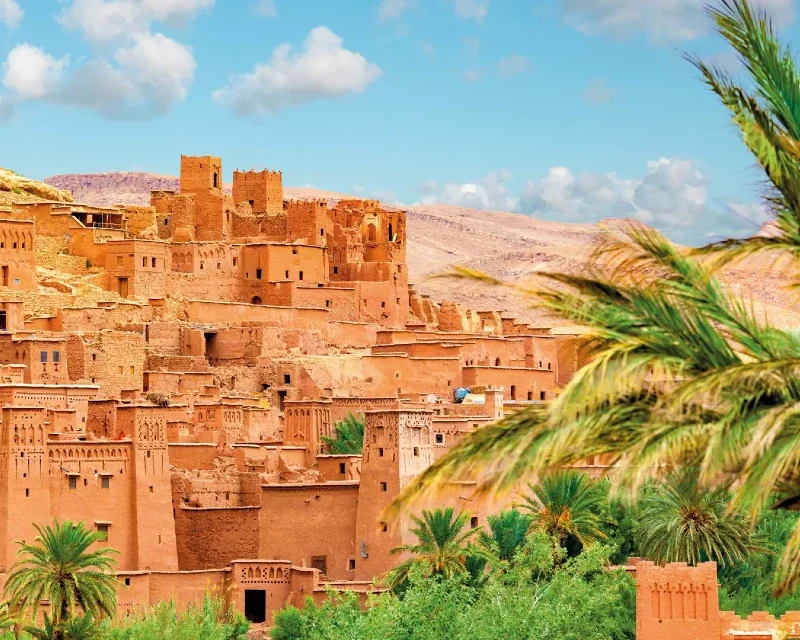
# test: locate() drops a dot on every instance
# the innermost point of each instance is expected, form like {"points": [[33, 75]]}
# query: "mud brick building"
{"points": [[173, 388]]}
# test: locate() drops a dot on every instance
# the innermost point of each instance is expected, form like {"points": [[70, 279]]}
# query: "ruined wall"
{"points": [[262, 190], [210, 538]]}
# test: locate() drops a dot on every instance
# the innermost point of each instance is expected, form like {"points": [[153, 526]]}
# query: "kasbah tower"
{"points": [[177, 399]]}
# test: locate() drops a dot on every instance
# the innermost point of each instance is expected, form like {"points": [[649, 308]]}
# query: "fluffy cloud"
{"points": [[324, 69], [102, 21], [392, 9], [471, 9], [661, 20], [10, 13], [149, 76], [267, 8], [671, 196], [490, 193], [31, 73], [142, 75], [507, 67], [598, 92]]}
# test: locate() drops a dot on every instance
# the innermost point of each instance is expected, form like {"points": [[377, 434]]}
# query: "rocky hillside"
{"points": [[505, 245], [16, 188]]}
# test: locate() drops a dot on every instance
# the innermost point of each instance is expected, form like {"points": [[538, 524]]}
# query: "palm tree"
{"points": [[349, 438], [682, 521], [78, 628], [60, 567], [566, 505], [683, 373], [441, 548], [508, 531]]}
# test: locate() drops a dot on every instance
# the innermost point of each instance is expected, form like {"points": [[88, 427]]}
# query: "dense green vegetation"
{"points": [[349, 437], [541, 594]]}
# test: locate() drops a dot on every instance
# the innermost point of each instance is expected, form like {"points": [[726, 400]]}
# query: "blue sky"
{"points": [[573, 110]]}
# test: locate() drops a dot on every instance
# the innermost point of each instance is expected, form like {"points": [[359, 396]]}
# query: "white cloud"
{"points": [[471, 9], [671, 195], [472, 45], [661, 20], [507, 67], [324, 69], [10, 13], [151, 74], [513, 65], [31, 73], [428, 49], [389, 10], [103, 21], [267, 8], [161, 67], [490, 193], [598, 92]]}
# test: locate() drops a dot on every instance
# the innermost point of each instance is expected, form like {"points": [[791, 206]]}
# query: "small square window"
{"points": [[335, 270], [383, 304], [15, 245], [342, 468], [383, 486], [73, 482], [439, 438], [380, 452], [127, 582], [43, 356], [473, 522], [56, 356], [105, 482], [287, 379], [166, 221], [153, 262], [102, 529], [351, 564]]}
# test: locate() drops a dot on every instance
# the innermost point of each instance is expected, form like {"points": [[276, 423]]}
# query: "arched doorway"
{"points": [[255, 300]]}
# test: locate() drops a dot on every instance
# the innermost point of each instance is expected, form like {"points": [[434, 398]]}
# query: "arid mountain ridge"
{"points": [[508, 246]]}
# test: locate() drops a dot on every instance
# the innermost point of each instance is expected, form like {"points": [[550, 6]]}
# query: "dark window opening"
{"points": [[301, 275], [153, 262], [255, 605], [287, 378], [256, 300], [335, 270], [513, 392], [322, 232], [73, 482], [342, 468], [3, 321], [258, 274], [102, 529], [43, 356], [214, 180], [473, 522], [391, 235], [166, 222], [380, 452], [56, 356], [252, 202], [383, 486], [439, 438], [384, 527], [416, 451], [542, 395], [351, 564], [549, 367], [27, 493], [105, 482], [127, 582], [281, 399], [497, 362], [321, 563], [530, 395]]}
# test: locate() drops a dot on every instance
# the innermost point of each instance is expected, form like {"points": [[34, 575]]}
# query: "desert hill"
{"points": [[509, 246], [16, 188]]}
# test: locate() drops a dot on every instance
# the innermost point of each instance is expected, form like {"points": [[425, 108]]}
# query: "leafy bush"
{"points": [[543, 595]]}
